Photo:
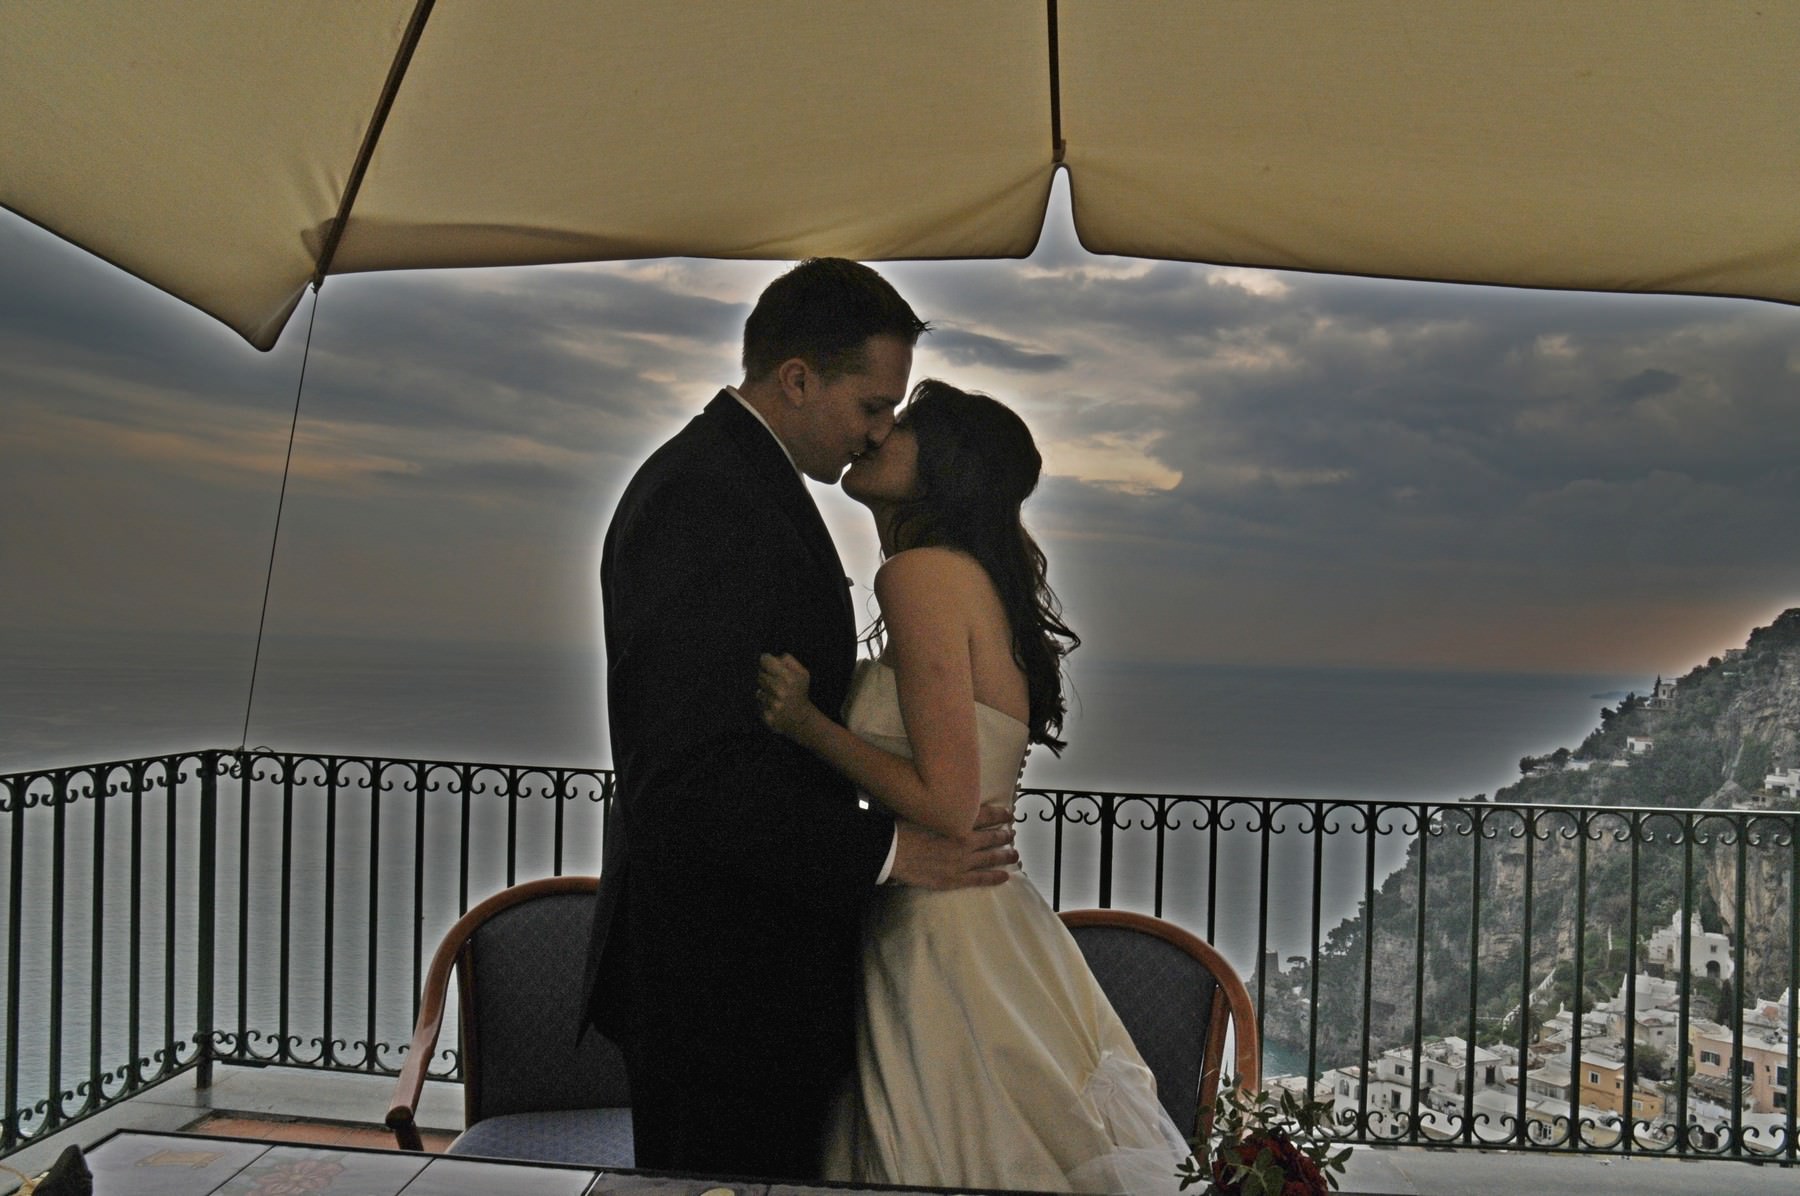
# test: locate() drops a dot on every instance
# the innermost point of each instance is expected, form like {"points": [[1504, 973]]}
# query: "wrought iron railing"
{"points": [[167, 914]]}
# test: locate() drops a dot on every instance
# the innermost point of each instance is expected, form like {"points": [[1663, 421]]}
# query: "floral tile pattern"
{"points": [[152, 1165]]}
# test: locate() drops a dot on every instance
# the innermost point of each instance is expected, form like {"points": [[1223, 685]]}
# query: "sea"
{"points": [[1266, 731], [1364, 735]]}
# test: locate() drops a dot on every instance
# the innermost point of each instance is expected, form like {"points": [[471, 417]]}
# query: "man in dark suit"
{"points": [[725, 953]]}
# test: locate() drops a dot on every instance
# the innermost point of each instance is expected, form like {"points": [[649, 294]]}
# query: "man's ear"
{"points": [[795, 377]]}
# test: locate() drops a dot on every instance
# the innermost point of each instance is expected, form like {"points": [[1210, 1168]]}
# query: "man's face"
{"points": [[851, 414]]}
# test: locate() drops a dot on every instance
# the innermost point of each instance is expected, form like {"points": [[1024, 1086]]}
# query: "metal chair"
{"points": [[529, 1092], [1178, 998]]}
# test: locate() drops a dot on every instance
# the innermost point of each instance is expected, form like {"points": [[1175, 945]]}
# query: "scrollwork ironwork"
{"points": [[1550, 834]]}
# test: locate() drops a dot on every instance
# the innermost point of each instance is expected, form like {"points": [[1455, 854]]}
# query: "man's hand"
{"points": [[929, 861]]}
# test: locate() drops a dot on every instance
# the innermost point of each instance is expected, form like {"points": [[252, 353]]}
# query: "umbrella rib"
{"points": [[409, 41]]}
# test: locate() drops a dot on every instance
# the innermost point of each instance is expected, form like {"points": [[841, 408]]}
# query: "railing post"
{"points": [[1106, 850], [209, 874], [1628, 1122], [15, 920]]}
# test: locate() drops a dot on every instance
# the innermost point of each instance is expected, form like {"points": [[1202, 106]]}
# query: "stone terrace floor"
{"points": [[297, 1106]]}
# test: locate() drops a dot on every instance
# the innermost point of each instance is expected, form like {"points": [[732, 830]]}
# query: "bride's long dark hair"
{"points": [[977, 464]]}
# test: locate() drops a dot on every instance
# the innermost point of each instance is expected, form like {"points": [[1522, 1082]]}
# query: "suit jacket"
{"points": [[737, 866]]}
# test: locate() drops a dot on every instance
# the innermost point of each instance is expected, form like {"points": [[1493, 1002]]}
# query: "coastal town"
{"points": [[1575, 1068], [1684, 1047]]}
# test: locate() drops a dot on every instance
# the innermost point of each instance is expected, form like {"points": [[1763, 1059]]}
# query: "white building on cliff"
{"points": [[1709, 954]]}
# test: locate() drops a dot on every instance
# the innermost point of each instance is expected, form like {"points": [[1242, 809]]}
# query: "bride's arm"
{"points": [[928, 647]]}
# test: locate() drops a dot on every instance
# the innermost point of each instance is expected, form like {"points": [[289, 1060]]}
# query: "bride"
{"points": [[987, 1054]]}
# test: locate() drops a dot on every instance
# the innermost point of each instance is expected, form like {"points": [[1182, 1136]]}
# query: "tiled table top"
{"points": [[132, 1163]]}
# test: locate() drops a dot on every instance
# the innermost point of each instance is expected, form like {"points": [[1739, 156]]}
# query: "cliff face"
{"points": [[1767, 910], [1746, 711], [1712, 739], [1760, 724]]}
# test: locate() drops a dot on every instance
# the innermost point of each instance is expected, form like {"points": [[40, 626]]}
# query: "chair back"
{"points": [[1177, 998], [520, 979]]}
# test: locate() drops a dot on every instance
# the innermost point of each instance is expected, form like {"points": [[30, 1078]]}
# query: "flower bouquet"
{"points": [[1266, 1144]]}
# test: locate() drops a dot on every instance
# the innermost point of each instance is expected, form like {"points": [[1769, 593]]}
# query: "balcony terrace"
{"points": [[259, 922]]}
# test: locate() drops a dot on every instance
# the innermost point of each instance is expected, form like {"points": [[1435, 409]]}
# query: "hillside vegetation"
{"points": [[1723, 728]]}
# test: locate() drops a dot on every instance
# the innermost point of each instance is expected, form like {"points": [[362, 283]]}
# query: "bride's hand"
{"points": [[781, 691]]}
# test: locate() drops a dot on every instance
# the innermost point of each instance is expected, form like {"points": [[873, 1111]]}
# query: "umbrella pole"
{"points": [[275, 536]]}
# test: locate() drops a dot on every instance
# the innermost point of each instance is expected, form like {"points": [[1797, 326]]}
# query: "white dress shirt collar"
{"points": [[745, 404]]}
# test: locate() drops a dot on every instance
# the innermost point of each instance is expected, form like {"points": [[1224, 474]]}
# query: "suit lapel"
{"points": [[784, 483]]}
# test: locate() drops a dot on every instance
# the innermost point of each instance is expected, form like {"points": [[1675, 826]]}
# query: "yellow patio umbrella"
{"points": [[232, 152]]}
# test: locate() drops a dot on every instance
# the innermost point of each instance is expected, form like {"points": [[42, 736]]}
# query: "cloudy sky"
{"points": [[1242, 466]]}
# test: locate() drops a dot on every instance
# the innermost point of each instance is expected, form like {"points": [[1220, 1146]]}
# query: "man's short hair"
{"points": [[824, 311]]}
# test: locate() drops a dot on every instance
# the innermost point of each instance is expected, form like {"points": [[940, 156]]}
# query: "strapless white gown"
{"points": [[987, 1055]]}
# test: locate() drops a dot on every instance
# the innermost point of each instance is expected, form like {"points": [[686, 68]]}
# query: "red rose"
{"points": [[1302, 1174]]}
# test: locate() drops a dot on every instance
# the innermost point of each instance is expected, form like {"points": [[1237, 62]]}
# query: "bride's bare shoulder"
{"points": [[927, 567]]}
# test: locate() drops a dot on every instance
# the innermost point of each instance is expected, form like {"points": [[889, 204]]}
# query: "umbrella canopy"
{"points": [[231, 153]]}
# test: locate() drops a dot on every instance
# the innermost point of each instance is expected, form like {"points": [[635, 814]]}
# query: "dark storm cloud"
{"points": [[554, 353], [55, 294], [1418, 422], [86, 338], [1534, 402], [473, 412], [1243, 464], [1361, 469], [963, 347], [1159, 304], [476, 349], [444, 378], [1646, 383], [1098, 414]]}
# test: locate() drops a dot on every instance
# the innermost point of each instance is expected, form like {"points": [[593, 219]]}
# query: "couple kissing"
{"points": [[812, 941]]}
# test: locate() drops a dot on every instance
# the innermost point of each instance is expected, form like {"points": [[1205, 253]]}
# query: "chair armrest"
{"points": [[435, 990], [411, 1081], [406, 1133], [1249, 1045]]}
